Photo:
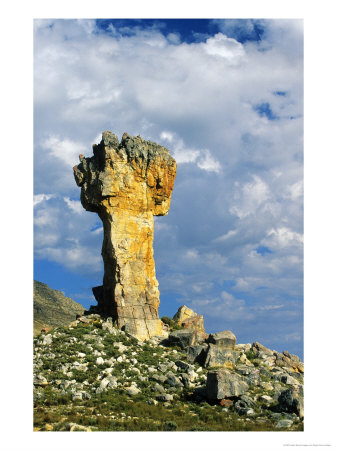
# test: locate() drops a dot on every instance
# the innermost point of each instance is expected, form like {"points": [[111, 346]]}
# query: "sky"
{"points": [[226, 98]]}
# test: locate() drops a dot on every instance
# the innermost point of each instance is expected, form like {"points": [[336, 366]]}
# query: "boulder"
{"points": [[185, 380], [190, 320], [266, 399], [285, 362], [261, 350], [159, 378], [158, 388], [108, 382], [244, 405], [108, 326], [132, 390], [99, 361], [164, 397], [81, 395], [183, 338], [183, 313], [183, 365], [225, 339], [226, 402], [284, 423], [224, 383], [194, 323], [219, 355], [173, 381], [47, 340], [197, 354], [76, 427], [291, 400], [40, 380]]}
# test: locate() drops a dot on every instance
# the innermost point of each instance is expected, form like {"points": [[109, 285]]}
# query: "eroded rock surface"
{"points": [[127, 184], [190, 320]]}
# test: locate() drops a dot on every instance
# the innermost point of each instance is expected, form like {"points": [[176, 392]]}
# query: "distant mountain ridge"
{"points": [[52, 308]]}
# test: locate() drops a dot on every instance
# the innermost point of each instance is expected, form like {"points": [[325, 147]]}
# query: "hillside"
{"points": [[52, 308], [90, 376]]}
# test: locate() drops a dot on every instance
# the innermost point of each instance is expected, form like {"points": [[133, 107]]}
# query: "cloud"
{"points": [[227, 48], [283, 237], [74, 205], [208, 163], [226, 236], [250, 197], [202, 158], [62, 234], [38, 198], [64, 149]]}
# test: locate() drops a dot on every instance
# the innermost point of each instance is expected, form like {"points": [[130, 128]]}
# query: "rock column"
{"points": [[126, 184]]}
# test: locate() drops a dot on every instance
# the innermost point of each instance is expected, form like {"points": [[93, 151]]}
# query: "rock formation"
{"points": [[190, 320], [127, 184]]}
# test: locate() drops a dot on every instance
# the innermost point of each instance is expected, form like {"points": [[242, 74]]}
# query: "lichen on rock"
{"points": [[127, 184]]}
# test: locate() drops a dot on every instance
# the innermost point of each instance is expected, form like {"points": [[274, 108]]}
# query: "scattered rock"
{"points": [[121, 347], [173, 381], [158, 388], [108, 382], [261, 350], [185, 380], [40, 380], [99, 361], [163, 367], [245, 405], [223, 383], [164, 397], [197, 353], [287, 379], [291, 400], [195, 323], [226, 402], [219, 355], [77, 427], [225, 339], [183, 365], [183, 313], [132, 390], [108, 326], [256, 392], [266, 399], [81, 395], [284, 423], [183, 338], [47, 340]]}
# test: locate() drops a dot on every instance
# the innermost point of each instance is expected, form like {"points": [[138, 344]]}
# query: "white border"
{"points": [[320, 220]]}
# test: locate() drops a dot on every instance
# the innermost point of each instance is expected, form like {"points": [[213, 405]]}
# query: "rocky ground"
{"points": [[90, 376]]}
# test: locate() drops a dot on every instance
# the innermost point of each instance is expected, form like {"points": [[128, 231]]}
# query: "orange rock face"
{"points": [[126, 184]]}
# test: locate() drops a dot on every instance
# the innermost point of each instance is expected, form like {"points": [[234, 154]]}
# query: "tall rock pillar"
{"points": [[127, 184]]}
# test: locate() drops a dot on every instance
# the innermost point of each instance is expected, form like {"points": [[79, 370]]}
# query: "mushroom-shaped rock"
{"points": [[127, 184]]}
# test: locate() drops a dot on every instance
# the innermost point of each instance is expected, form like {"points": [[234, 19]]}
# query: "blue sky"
{"points": [[226, 97]]}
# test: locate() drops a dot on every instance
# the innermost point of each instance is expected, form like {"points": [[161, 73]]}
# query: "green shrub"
{"points": [[170, 426], [251, 355], [171, 323]]}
